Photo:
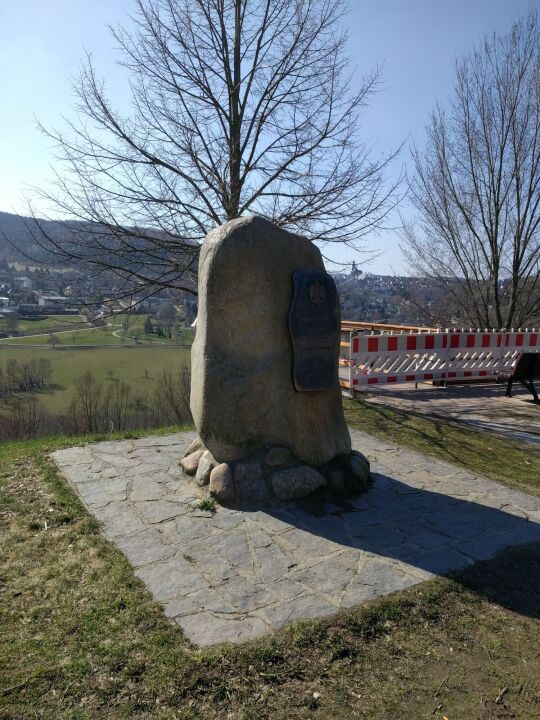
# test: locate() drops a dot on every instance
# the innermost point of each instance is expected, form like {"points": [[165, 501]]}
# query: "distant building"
{"points": [[29, 309], [52, 301], [23, 282]]}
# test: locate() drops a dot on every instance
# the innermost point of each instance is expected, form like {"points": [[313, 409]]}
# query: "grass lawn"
{"points": [[489, 454], [58, 322], [88, 336], [111, 335], [81, 638], [129, 363], [135, 328]]}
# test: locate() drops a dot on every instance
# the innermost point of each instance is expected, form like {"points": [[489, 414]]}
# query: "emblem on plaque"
{"points": [[317, 293]]}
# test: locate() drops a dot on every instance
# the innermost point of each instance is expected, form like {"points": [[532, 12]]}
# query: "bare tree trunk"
{"points": [[171, 398]]}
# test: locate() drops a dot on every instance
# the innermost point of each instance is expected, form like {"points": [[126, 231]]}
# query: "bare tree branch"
{"points": [[238, 107], [477, 184]]}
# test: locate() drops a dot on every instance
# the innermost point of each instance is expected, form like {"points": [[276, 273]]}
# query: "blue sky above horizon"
{"points": [[414, 42]]}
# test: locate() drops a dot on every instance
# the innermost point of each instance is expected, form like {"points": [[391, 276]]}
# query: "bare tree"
{"points": [[119, 405], [88, 402], [12, 375], [27, 418], [238, 107], [477, 184], [43, 371], [171, 396], [140, 410]]}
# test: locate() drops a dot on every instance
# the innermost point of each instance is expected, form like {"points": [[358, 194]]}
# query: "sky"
{"points": [[414, 42]]}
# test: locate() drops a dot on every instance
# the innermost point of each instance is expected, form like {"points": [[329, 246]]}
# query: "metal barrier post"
{"points": [[351, 388]]}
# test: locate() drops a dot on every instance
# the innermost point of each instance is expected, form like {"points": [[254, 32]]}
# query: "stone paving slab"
{"points": [[237, 575]]}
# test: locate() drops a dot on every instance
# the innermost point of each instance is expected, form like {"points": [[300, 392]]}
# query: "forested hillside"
{"points": [[17, 237]]}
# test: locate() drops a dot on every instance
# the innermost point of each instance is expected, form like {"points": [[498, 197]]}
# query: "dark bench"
{"points": [[527, 370]]}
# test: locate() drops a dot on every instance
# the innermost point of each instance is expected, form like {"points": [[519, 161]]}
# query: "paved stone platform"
{"points": [[236, 575]]}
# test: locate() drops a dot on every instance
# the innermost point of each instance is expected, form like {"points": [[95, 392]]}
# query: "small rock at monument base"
{"points": [[296, 482], [197, 444], [250, 484], [359, 464], [222, 483], [206, 465], [360, 468], [336, 481], [190, 463], [278, 456]]}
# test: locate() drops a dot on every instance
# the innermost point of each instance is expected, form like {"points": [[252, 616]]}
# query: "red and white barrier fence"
{"points": [[394, 357]]}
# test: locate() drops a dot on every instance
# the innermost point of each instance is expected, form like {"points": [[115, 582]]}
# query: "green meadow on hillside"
{"points": [[86, 336], [136, 365], [49, 322], [115, 332]]}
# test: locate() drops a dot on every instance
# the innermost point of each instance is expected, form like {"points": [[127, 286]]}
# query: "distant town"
{"points": [[34, 292], [31, 287]]}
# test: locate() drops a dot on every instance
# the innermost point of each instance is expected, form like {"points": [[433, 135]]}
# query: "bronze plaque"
{"points": [[314, 328]]}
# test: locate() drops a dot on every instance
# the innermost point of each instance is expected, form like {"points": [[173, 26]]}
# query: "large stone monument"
{"points": [[265, 395]]}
